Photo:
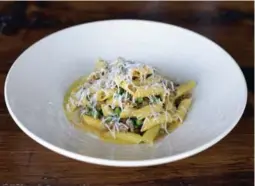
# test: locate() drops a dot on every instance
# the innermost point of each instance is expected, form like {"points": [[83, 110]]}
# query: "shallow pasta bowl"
{"points": [[37, 82]]}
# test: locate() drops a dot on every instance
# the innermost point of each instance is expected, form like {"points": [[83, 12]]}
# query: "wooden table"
{"points": [[229, 162]]}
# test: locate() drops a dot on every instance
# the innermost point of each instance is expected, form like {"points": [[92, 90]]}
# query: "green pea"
{"points": [[139, 100], [117, 111], [138, 122], [133, 120]]}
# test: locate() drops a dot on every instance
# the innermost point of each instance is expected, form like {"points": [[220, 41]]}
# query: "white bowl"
{"points": [[37, 81]]}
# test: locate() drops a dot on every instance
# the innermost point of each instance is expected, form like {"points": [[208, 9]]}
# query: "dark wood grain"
{"points": [[229, 162]]}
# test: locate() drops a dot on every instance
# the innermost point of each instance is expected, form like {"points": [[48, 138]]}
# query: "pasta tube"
{"points": [[184, 88], [152, 121], [142, 112], [88, 128], [172, 126], [102, 95], [183, 109], [113, 102], [150, 135], [114, 140], [125, 136], [148, 81], [93, 122], [107, 111], [130, 88], [146, 92]]}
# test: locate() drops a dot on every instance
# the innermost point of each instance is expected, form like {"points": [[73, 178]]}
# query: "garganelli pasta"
{"points": [[124, 102]]}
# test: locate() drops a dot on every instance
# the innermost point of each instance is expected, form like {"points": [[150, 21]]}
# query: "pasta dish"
{"points": [[126, 102]]}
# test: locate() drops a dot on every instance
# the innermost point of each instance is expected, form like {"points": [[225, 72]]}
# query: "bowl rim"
{"points": [[127, 163]]}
